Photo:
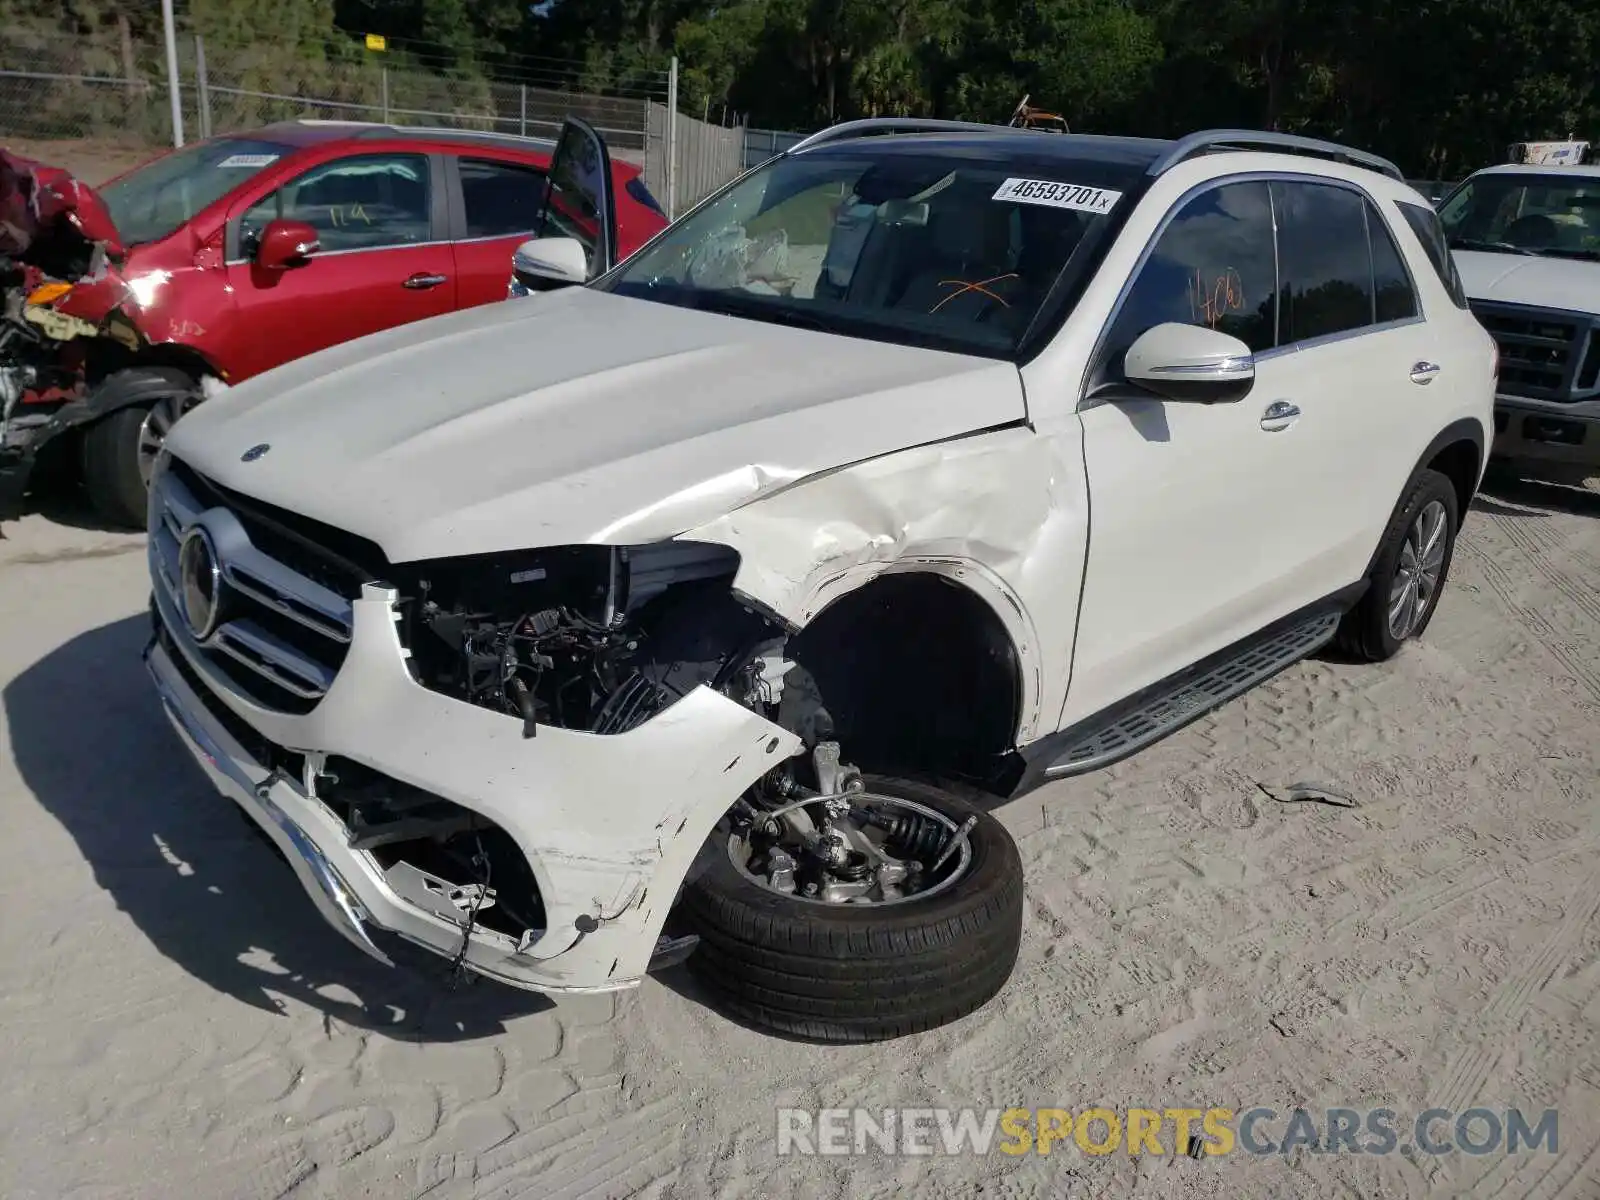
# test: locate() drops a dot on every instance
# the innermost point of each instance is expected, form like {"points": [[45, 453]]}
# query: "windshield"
{"points": [[151, 202], [953, 245], [1550, 213]]}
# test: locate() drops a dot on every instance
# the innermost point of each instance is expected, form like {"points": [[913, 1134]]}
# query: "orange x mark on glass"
{"points": [[963, 287]]}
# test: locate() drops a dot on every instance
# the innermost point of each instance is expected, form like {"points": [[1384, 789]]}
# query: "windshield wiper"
{"points": [[729, 303], [1502, 247], [777, 314], [1573, 252]]}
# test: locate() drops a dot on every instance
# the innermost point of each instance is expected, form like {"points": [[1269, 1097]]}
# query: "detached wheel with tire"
{"points": [[900, 915], [1409, 573], [120, 449]]}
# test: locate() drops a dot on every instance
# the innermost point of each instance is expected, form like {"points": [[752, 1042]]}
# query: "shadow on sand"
{"points": [[185, 864]]}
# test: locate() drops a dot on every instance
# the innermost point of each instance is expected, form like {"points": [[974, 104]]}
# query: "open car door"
{"points": [[578, 200]]}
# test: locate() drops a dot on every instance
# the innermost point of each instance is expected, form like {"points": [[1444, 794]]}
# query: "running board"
{"points": [[1169, 706]]}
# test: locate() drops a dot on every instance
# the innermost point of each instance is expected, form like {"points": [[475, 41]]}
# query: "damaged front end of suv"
{"points": [[557, 768], [54, 234]]}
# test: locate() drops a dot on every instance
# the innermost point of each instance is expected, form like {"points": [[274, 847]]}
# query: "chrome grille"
{"points": [[279, 636], [1545, 354]]}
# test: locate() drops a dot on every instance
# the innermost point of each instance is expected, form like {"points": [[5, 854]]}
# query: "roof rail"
{"points": [[376, 129], [1209, 140], [873, 126]]}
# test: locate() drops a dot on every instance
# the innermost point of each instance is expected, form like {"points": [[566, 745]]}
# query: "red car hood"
{"points": [[52, 221]]}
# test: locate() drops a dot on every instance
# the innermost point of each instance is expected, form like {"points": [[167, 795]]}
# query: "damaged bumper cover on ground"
{"points": [[572, 802]]}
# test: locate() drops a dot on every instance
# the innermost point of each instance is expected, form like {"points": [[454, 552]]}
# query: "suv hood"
{"points": [[1569, 283], [576, 416]]}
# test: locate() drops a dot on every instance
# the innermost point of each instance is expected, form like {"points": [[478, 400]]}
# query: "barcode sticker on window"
{"points": [[1073, 196], [248, 160]]}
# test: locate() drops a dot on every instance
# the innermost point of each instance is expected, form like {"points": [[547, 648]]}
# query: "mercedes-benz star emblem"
{"points": [[200, 581], [255, 452]]}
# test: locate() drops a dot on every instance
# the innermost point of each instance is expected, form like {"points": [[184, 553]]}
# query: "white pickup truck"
{"points": [[689, 609], [1526, 241]]}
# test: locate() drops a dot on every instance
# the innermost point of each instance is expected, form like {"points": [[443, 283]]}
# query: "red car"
{"points": [[237, 254]]}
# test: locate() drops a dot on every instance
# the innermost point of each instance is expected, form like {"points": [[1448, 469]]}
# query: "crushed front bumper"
{"points": [[609, 824]]}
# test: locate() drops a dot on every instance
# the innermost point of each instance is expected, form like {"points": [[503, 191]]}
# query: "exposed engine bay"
{"points": [[602, 639]]}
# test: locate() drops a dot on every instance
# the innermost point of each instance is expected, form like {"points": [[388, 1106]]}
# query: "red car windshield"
{"points": [[152, 201]]}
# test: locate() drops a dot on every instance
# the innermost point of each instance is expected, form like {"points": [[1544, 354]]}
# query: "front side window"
{"points": [[1552, 213], [953, 245], [500, 198], [1324, 264], [151, 202], [1213, 265], [368, 202]]}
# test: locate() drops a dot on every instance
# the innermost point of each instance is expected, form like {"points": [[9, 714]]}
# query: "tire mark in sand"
{"points": [[1504, 588], [1542, 556], [1490, 1029]]}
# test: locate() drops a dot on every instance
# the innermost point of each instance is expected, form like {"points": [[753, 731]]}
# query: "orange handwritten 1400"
{"points": [[1211, 302]]}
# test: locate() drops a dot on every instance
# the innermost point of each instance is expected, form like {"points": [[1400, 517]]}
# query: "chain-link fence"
{"points": [[60, 94]]}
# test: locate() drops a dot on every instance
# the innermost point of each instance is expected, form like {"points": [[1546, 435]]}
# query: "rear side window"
{"points": [[1212, 266], [1393, 298], [1425, 224], [501, 198], [1324, 265]]}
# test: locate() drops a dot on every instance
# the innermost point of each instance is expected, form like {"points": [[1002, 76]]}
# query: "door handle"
{"points": [[1423, 372], [1279, 415], [419, 282]]}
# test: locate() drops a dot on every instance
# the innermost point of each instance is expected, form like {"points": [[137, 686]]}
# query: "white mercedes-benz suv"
{"points": [[704, 604]]}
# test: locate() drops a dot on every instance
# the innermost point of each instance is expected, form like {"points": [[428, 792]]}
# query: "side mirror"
{"points": [[544, 263], [1190, 363], [285, 244]]}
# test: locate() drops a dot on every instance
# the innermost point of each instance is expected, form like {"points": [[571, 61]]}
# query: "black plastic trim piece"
{"points": [[1034, 762]]}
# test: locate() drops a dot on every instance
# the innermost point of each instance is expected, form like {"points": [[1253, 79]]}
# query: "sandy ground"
{"points": [[177, 1021]]}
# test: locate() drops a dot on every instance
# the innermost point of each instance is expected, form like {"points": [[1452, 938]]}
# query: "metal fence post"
{"points": [[672, 138], [202, 85], [524, 110], [385, 73], [172, 72]]}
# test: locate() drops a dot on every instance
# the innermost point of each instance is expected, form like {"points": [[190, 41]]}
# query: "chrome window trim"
{"points": [[524, 234], [320, 254]]}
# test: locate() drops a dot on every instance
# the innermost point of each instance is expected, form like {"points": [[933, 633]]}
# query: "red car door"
{"points": [[499, 209], [384, 258]]}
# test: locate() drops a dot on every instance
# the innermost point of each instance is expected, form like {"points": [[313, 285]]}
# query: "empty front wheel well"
{"points": [[918, 673]]}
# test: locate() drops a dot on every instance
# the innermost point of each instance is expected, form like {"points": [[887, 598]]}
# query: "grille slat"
{"points": [[283, 627], [1545, 354]]}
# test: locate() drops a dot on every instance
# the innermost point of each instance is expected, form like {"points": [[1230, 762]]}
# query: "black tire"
{"points": [[112, 475], [1364, 633], [842, 973]]}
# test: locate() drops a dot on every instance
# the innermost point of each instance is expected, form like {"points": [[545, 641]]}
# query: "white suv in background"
{"points": [[657, 616]]}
